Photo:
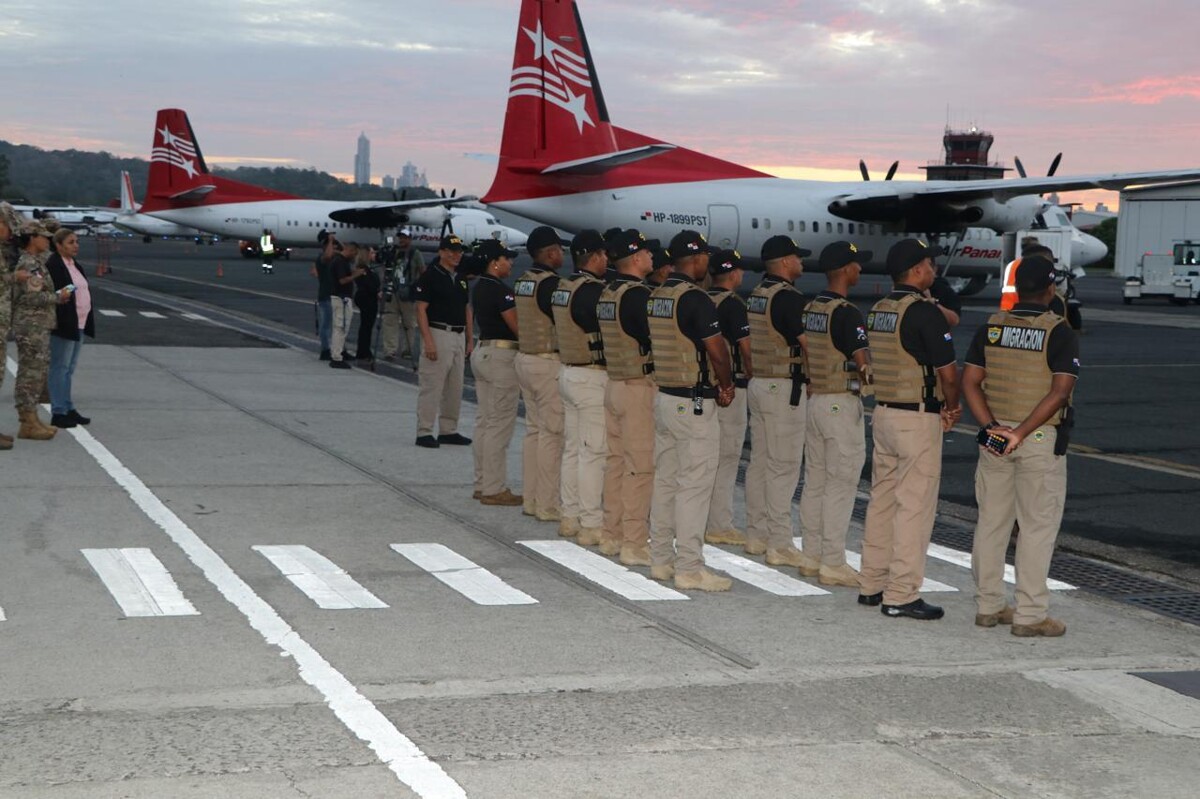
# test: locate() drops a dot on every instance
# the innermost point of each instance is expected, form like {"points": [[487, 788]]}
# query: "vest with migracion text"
{"points": [[1018, 376], [828, 370], [678, 363], [899, 378], [624, 356], [735, 352], [772, 354], [535, 330], [576, 346]]}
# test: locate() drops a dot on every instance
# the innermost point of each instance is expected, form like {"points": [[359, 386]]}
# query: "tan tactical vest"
{"points": [[576, 347], [735, 352], [623, 353], [535, 330], [898, 376], [677, 361], [1018, 377], [828, 370], [773, 355]]}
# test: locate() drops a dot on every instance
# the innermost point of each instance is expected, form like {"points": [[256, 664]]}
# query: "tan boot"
{"points": [[754, 547], [836, 575], [32, 427], [702, 580], [731, 537], [640, 556], [1047, 627], [787, 556], [6, 442], [529, 507], [547, 515], [610, 545], [992, 619], [661, 573], [568, 527], [589, 536], [811, 567]]}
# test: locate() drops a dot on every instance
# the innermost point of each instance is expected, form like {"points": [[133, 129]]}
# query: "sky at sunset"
{"points": [[788, 86]]}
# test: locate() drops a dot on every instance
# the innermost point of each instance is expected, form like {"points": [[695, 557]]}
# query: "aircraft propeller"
{"points": [[891, 173], [1039, 218]]}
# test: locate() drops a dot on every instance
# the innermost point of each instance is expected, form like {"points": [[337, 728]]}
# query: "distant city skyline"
{"points": [[362, 160]]}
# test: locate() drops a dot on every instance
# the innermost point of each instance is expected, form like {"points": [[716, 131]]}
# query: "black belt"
{"points": [[927, 407], [741, 382], [448, 328], [708, 392]]}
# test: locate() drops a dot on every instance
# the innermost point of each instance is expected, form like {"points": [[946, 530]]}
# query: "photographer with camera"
{"points": [[403, 267], [321, 270], [344, 271]]}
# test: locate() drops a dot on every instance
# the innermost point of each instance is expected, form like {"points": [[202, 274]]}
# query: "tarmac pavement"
{"points": [[406, 684]]}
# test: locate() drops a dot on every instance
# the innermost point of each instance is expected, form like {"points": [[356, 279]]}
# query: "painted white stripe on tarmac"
{"points": [[2, 616], [602, 571], [109, 312], [360, 716], [463, 575], [139, 582], [195, 317], [322, 580], [1010, 573], [927, 587], [757, 574], [152, 314]]}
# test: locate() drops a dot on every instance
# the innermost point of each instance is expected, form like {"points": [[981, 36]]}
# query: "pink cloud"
{"points": [[1147, 91]]}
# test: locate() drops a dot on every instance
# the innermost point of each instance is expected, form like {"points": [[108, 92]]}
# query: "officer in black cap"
{"points": [[916, 394], [1019, 377], [835, 447], [444, 319], [725, 271], [538, 366]]}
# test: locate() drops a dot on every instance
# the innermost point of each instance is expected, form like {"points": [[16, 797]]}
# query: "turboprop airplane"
{"points": [[149, 227], [76, 217], [564, 163], [180, 189]]}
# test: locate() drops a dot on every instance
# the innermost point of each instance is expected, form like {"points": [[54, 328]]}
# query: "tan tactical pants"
{"points": [[542, 449], [776, 450], [440, 384], [585, 448], [686, 451], [732, 421], [1029, 487], [629, 467], [496, 387], [906, 473], [835, 449]]}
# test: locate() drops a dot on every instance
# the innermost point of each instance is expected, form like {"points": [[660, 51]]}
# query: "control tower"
{"points": [[966, 157]]}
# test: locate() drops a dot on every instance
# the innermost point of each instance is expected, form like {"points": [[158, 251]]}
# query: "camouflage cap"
{"points": [[10, 217], [51, 224], [34, 227]]}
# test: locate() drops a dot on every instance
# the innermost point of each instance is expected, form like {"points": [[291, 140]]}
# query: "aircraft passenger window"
{"points": [[871, 230], [801, 226], [839, 227], [816, 227], [754, 223], [791, 226], [767, 223], [828, 227]]}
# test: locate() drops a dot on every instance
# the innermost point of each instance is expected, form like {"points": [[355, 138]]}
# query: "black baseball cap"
{"points": [[723, 262], [544, 236], [781, 247], [841, 253], [627, 242], [491, 249], [1035, 273], [451, 242], [661, 258], [612, 231], [686, 243], [1038, 249], [586, 242], [907, 253]]}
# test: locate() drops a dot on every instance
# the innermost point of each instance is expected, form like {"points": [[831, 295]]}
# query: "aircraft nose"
{"points": [[1087, 250], [516, 238]]}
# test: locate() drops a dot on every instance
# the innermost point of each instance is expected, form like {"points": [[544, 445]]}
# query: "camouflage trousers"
{"points": [[33, 366]]}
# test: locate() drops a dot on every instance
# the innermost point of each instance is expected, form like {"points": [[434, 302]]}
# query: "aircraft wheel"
{"points": [[973, 286]]}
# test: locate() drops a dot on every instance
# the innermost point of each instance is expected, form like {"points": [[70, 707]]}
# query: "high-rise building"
{"points": [[410, 177], [362, 160], [389, 182]]}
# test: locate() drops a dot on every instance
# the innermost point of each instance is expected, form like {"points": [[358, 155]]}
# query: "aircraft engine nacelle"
{"points": [[427, 217], [1013, 214]]}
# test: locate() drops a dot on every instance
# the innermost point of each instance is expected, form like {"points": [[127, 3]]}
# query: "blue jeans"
{"points": [[325, 322], [64, 354]]}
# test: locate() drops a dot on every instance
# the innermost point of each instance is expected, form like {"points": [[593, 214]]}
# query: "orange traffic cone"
{"points": [[220, 270]]}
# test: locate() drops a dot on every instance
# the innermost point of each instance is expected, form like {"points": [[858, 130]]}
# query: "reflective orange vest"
{"points": [[1008, 288]]}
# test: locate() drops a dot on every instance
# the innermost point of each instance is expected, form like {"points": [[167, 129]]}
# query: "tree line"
{"points": [[31, 175]]}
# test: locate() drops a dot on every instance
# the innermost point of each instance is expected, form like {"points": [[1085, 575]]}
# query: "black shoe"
{"points": [[62, 420], [918, 609], [347, 356], [454, 438], [78, 417], [325, 355], [870, 600], [339, 364], [427, 441]]}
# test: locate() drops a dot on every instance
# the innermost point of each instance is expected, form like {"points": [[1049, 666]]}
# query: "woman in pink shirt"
{"points": [[75, 320]]}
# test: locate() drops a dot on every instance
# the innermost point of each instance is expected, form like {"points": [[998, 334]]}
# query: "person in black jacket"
{"points": [[366, 297], [75, 319]]}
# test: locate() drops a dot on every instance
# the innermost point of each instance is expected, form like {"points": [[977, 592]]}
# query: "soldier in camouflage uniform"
{"points": [[33, 317], [10, 223]]}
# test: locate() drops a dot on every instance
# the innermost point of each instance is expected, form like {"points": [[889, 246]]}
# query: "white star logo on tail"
{"points": [[554, 67], [175, 150]]}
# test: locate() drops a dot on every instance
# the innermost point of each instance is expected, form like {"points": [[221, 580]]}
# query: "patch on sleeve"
{"points": [[948, 337]]}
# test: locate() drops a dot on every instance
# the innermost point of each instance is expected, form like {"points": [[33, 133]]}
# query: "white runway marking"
{"points": [[2, 616], [927, 587], [108, 312], [1010, 573], [319, 578], [466, 577], [195, 317], [152, 314], [360, 716], [602, 571], [758, 574], [139, 582]]}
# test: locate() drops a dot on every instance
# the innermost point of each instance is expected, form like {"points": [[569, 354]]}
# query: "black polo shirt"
{"points": [[490, 298], [787, 311], [446, 294], [545, 290], [945, 295], [847, 329], [340, 267], [1062, 351], [696, 314], [632, 311], [925, 333], [734, 322], [324, 277], [583, 309]]}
